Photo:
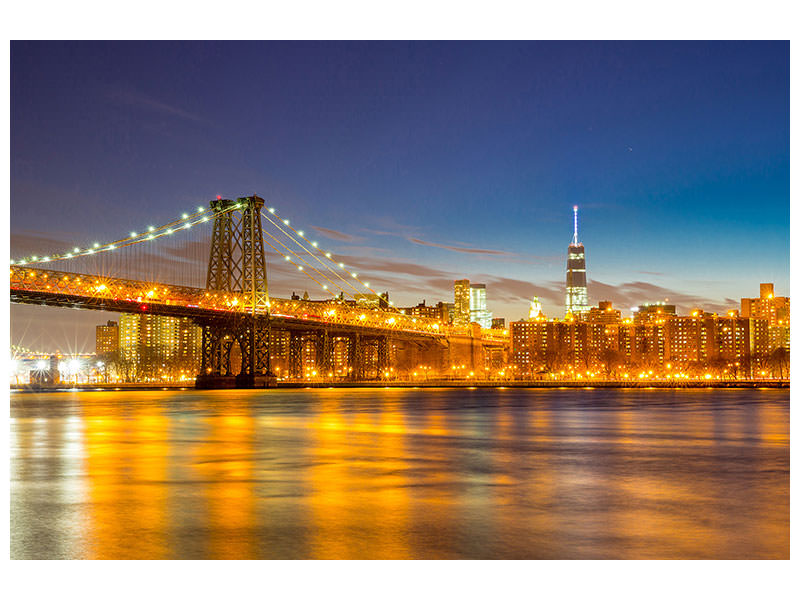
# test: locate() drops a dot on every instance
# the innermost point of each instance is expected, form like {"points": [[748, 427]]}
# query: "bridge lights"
{"points": [[184, 216], [96, 245], [271, 210], [286, 221], [300, 233], [151, 228]]}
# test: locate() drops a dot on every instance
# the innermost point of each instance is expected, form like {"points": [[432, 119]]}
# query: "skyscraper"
{"points": [[461, 314], [577, 299], [477, 306]]}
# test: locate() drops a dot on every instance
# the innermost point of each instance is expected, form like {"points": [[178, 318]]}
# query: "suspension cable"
{"points": [[300, 268], [186, 221]]}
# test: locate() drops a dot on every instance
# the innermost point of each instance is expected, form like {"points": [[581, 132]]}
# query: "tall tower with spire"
{"points": [[577, 299]]}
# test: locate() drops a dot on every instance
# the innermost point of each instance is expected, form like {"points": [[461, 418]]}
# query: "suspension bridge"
{"points": [[234, 308]]}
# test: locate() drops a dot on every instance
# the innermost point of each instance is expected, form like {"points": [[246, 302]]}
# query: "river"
{"points": [[400, 473]]}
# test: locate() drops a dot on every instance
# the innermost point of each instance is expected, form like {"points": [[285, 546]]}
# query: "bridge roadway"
{"points": [[82, 291]]}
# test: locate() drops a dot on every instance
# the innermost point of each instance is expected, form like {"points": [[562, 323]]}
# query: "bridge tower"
{"points": [[236, 264]]}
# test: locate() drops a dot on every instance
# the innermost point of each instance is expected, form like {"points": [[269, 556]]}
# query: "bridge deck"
{"points": [[82, 291]]}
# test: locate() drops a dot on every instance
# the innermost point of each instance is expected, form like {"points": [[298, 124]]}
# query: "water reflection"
{"points": [[401, 474]]}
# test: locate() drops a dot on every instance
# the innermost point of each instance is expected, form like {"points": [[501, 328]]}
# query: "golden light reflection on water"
{"points": [[225, 461], [359, 498], [126, 462], [400, 474]]}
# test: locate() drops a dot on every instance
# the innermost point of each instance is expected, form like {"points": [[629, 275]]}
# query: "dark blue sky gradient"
{"points": [[677, 154]]}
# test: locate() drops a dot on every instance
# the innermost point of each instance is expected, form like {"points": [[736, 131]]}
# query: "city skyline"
{"points": [[425, 196]]}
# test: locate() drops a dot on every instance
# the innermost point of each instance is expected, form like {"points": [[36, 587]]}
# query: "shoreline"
{"points": [[736, 384]]}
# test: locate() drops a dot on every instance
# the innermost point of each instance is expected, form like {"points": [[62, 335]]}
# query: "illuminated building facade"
{"points": [[686, 339], [535, 309], [604, 313], [461, 313], [372, 300], [528, 346], [152, 347], [653, 312], [577, 298], [422, 310], [106, 338], [775, 310], [477, 306]]}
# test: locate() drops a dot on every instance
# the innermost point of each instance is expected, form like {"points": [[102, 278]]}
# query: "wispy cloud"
{"points": [[461, 249], [337, 235], [137, 99]]}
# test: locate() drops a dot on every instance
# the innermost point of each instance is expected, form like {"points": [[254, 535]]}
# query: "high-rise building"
{"points": [[767, 306], [577, 298], [461, 314], [477, 306], [106, 338], [775, 310], [153, 347]]}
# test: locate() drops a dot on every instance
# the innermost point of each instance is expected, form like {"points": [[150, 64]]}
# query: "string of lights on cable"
{"points": [[300, 268], [326, 255], [305, 262], [186, 221]]}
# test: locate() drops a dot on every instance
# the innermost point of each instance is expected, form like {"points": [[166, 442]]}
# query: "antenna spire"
{"points": [[575, 220]]}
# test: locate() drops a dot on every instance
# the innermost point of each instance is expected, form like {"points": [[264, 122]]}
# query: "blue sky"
{"points": [[409, 153]]}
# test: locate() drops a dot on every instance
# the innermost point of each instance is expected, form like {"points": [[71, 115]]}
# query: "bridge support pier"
{"points": [[324, 352], [382, 350], [356, 357], [295, 354], [219, 337]]}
